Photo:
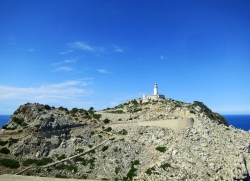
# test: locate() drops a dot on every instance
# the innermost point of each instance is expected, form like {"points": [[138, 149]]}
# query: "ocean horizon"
{"points": [[237, 121]]}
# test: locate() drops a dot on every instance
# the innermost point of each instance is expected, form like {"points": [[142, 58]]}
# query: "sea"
{"points": [[238, 121]]}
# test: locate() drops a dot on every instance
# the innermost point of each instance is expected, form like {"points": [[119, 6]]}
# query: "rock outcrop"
{"points": [[112, 144]]}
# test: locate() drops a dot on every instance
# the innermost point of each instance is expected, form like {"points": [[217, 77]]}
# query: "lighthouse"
{"points": [[155, 89], [156, 95]]}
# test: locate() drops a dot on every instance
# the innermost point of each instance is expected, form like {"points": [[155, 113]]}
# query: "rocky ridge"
{"points": [[110, 145]]}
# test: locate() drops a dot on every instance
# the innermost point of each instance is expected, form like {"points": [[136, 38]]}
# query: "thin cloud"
{"points": [[65, 84], [31, 50], [64, 69], [86, 47], [65, 90], [62, 62], [65, 52], [118, 49], [103, 71]]}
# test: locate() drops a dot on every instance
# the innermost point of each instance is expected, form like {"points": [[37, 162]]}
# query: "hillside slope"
{"points": [[112, 144]]}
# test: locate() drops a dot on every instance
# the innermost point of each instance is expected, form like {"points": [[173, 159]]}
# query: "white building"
{"points": [[156, 95]]}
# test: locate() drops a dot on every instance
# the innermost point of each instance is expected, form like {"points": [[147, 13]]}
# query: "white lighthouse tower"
{"points": [[155, 89], [156, 95]]}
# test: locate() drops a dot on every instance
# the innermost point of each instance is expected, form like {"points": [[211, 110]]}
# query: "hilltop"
{"points": [[141, 139]]}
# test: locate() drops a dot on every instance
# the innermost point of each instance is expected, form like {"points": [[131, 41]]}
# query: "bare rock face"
{"points": [[116, 146], [40, 117]]}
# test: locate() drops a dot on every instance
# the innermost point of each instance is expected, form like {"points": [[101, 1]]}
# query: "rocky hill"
{"points": [[132, 141]]}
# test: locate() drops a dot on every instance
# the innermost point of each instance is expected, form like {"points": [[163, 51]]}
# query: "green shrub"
{"points": [[5, 127], [60, 167], [105, 148], [149, 171], [97, 116], [132, 171], [43, 161], [79, 136], [117, 169], [9, 163], [108, 129], [134, 102], [63, 109], [87, 117], [4, 150], [71, 167], [61, 157], [192, 112], [79, 159], [61, 176], [106, 120], [116, 149], [74, 110], [68, 167], [116, 111], [84, 176], [123, 132], [11, 141], [165, 165], [47, 107], [161, 148], [80, 150], [24, 124], [3, 143], [17, 120]]}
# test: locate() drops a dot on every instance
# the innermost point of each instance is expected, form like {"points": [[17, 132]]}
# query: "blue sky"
{"points": [[86, 53]]}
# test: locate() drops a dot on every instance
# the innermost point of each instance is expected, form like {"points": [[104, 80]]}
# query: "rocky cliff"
{"points": [[113, 144]]}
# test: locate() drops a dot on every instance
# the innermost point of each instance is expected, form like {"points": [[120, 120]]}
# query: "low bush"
{"points": [[149, 171], [9, 163], [12, 141], [47, 107], [106, 121], [17, 120], [165, 165], [105, 148], [61, 157], [74, 110], [97, 116], [61, 176], [117, 169], [3, 143], [5, 127], [80, 150], [4, 150], [108, 129], [161, 148], [63, 109], [79, 136], [24, 124], [68, 167], [84, 176], [123, 132], [132, 171], [192, 112], [43, 161]]}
